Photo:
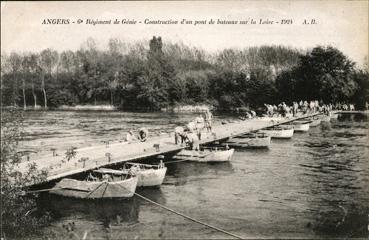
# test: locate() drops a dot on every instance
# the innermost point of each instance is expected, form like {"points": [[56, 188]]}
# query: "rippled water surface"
{"points": [[312, 186]]}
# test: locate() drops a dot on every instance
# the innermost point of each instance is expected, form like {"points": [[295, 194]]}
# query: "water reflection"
{"points": [[109, 211], [153, 193], [181, 173], [337, 179], [358, 117]]}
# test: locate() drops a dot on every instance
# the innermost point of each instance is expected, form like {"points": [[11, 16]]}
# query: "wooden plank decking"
{"points": [[97, 156]]}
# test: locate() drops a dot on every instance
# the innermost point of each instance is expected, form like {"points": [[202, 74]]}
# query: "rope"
{"points": [[94, 189], [44, 190], [106, 186], [183, 215], [175, 161]]}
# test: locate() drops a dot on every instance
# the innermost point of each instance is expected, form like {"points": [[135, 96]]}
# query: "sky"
{"points": [[342, 24]]}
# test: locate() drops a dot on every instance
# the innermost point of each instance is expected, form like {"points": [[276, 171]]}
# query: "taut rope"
{"points": [[185, 216]]}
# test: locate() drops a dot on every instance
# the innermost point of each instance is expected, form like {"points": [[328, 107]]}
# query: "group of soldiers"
{"points": [[305, 107], [191, 133], [345, 107], [142, 135]]}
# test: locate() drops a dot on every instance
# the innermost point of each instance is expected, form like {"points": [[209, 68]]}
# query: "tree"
{"points": [[230, 59], [5, 68], [131, 70], [18, 215], [154, 83], [34, 68], [15, 62], [114, 65], [26, 73], [5, 85], [154, 74], [361, 95], [48, 60], [325, 73], [260, 87]]}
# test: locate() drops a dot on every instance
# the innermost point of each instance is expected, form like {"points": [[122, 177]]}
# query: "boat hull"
{"points": [[205, 156], [95, 189], [151, 177], [301, 127], [249, 142], [279, 133], [326, 118], [315, 122]]}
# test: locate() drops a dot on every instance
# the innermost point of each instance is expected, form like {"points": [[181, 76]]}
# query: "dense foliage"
{"points": [[156, 75], [19, 217], [325, 74]]}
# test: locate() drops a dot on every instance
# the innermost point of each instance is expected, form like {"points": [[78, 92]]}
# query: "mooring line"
{"points": [[95, 189], [183, 215], [175, 161], [44, 190]]}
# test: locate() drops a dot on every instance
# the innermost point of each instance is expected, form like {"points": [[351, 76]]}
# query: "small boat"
{"points": [[148, 175], [272, 119], [206, 155], [100, 183], [315, 121], [300, 125], [334, 115], [326, 118], [250, 140], [279, 131]]}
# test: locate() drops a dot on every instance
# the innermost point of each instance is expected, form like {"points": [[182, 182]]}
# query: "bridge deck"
{"points": [[58, 166], [350, 112]]}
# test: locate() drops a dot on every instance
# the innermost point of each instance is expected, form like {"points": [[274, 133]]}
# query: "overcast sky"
{"points": [[342, 24]]}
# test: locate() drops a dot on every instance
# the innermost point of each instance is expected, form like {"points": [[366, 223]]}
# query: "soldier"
{"points": [[178, 131], [130, 137], [208, 120]]}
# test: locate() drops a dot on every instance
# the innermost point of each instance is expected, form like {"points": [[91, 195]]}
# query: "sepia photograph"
{"points": [[184, 119]]}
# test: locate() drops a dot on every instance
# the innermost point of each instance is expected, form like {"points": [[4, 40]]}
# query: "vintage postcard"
{"points": [[184, 119]]}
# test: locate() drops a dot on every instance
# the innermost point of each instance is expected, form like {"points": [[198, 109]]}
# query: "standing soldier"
{"points": [[208, 120], [295, 106], [178, 131], [305, 107], [311, 107], [316, 105]]}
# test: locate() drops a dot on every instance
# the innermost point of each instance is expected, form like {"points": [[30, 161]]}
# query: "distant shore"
{"points": [[108, 107], [188, 108], [176, 109], [88, 108]]}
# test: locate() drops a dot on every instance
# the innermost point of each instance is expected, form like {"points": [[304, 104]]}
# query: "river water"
{"points": [[315, 185]]}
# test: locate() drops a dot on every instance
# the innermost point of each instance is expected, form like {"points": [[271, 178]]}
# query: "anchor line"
{"points": [[183, 215]]}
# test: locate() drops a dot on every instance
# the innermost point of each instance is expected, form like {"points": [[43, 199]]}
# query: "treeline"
{"points": [[156, 74]]}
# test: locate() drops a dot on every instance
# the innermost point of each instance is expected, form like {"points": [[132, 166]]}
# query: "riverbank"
{"points": [[108, 107], [88, 108], [188, 108]]}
